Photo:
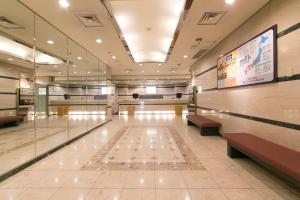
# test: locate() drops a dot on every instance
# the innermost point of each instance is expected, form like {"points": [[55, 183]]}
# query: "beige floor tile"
{"points": [[288, 194], [63, 172], [140, 179], [228, 179], [45, 178], [16, 181], [253, 181], [9, 194], [215, 164], [111, 179], [103, 194], [36, 194], [80, 179], [172, 194], [138, 194], [199, 179], [69, 194], [266, 177], [269, 194], [169, 179], [207, 194], [242, 194]]}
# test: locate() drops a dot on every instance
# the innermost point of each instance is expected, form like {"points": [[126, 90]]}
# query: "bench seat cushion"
{"points": [[202, 121], [8, 119], [279, 157]]}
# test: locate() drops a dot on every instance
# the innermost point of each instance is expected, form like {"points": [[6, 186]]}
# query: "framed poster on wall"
{"points": [[253, 62], [26, 81]]}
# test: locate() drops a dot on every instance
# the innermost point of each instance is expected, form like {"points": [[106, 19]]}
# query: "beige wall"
{"points": [[9, 85], [159, 90], [276, 101]]}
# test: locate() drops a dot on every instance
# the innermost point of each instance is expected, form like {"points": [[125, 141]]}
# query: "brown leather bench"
{"points": [[207, 126], [11, 120], [281, 160]]}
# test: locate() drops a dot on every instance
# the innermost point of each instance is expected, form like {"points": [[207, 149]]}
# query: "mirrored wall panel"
{"points": [[17, 87], [52, 90]]}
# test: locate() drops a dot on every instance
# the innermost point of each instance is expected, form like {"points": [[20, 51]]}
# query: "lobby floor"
{"points": [[145, 157], [23, 142]]}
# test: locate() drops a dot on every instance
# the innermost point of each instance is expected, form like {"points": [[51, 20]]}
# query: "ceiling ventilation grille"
{"points": [[89, 20], [211, 18], [200, 53], [6, 23]]}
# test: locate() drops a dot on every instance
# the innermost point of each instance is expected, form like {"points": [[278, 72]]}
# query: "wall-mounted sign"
{"points": [[26, 81], [251, 63]]}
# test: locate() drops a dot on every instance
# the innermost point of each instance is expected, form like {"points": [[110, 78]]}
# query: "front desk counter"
{"points": [[77, 106], [152, 106]]}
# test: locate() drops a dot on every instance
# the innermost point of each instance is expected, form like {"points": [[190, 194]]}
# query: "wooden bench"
{"points": [[279, 159], [11, 120], [207, 126]]}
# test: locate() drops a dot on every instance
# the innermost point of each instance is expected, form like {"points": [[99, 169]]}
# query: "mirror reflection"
{"points": [[17, 87], [51, 89]]}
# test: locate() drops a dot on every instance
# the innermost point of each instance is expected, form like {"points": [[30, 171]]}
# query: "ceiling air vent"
{"points": [[89, 20], [200, 53], [211, 18], [6, 23]]}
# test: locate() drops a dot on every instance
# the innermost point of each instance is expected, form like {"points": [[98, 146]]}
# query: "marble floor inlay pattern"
{"points": [[145, 148]]}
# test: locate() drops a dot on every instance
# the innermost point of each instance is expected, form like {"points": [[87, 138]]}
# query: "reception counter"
{"points": [[153, 106], [78, 106]]}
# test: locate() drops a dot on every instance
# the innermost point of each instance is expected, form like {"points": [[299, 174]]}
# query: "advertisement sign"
{"points": [[252, 63]]}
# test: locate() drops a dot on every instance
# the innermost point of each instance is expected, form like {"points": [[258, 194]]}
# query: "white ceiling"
{"points": [[66, 21], [148, 34]]}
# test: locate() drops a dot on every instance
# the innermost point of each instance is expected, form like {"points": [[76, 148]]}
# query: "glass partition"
{"points": [[94, 98], [77, 89], [51, 71], [17, 131], [51, 89]]}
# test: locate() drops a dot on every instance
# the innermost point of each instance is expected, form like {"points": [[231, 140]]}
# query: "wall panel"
{"points": [[277, 105]]}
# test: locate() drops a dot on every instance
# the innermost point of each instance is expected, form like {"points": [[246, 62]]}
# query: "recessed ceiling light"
{"points": [[88, 72], [159, 64], [229, 2], [104, 72], [50, 42], [59, 72], [99, 41], [141, 64], [10, 59], [142, 71], [185, 56], [79, 58], [75, 72], [55, 66], [64, 3], [173, 71], [157, 71], [113, 57], [74, 66]]}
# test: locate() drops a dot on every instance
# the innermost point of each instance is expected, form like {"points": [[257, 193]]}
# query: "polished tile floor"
{"points": [[19, 144], [145, 157]]}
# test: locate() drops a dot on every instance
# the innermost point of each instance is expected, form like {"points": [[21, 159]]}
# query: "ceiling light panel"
{"points": [[148, 26], [19, 50]]}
